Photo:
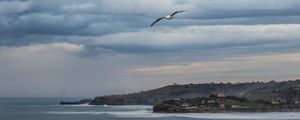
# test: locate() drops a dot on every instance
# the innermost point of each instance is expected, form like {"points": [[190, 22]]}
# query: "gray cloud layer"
{"points": [[64, 45], [94, 17]]}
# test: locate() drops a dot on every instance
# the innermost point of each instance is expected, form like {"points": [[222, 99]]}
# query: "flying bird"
{"points": [[168, 17]]}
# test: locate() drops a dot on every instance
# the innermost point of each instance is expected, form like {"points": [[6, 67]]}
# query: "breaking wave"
{"points": [[144, 111], [224, 116]]}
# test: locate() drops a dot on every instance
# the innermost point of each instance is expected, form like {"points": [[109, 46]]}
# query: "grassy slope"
{"points": [[255, 90]]}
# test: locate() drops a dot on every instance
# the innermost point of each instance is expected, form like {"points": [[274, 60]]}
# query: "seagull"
{"points": [[168, 17]]}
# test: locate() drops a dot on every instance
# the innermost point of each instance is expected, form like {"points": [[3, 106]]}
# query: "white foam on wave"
{"points": [[146, 112], [149, 114], [58, 105], [250, 116], [79, 105], [129, 107], [116, 113]]}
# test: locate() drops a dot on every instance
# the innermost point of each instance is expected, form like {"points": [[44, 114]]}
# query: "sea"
{"points": [[49, 109]]}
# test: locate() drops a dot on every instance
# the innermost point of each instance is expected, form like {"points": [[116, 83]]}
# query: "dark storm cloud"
{"points": [[219, 14], [200, 38], [98, 18], [62, 46]]}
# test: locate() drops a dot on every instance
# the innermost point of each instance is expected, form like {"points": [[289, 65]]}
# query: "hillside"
{"points": [[253, 91], [222, 104]]}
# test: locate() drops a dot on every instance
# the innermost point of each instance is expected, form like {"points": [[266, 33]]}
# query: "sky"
{"points": [[72, 48]]}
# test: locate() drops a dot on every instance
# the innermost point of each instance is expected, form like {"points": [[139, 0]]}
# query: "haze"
{"points": [[69, 48]]}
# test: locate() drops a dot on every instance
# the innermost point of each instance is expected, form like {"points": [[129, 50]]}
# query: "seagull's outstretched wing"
{"points": [[174, 13], [157, 20]]}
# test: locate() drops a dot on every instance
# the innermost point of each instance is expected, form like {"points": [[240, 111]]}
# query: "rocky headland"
{"points": [[263, 96]]}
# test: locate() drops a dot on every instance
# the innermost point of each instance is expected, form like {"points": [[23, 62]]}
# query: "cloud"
{"points": [[56, 70], [13, 7], [202, 38], [97, 18], [214, 9], [259, 67], [73, 47], [225, 65], [39, 49]]}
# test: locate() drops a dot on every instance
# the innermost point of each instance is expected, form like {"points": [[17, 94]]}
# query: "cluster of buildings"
{"points": [[281, 101], [216, 102], [209, 102]]}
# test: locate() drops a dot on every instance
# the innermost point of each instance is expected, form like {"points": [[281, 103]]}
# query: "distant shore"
{"points": [[223, 104], [234, 110], [252, 96]]}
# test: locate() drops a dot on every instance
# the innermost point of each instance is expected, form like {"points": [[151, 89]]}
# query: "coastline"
{"points": [[239, 110], [210, 98]]}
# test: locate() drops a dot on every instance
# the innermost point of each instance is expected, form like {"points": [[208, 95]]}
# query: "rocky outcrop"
{"points": [[167, 108], [119, 100], [85, 101]]}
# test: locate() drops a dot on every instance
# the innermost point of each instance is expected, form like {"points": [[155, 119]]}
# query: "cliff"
{"points": [[252, 90]]}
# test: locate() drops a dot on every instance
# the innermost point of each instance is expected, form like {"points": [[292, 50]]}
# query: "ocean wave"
{"points": [[121, 107], [251, 116], [79, 105], [117, 113], [224, 116], [143, 111], [141, 107]]}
